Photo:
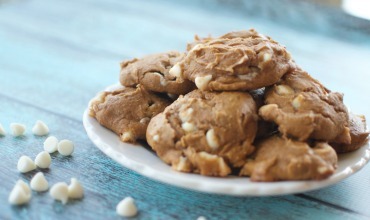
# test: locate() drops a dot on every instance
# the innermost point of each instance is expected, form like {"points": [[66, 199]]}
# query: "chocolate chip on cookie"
{"points": [[278, 158], [303, 108], [152, 72], [205, 132], [243, 60], [127, 111]]}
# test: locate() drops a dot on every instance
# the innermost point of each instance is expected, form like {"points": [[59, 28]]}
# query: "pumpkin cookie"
{"points": [[152, 72], [205, 132], [303, 108], [127, 111], [278, 158], [243, 60]]}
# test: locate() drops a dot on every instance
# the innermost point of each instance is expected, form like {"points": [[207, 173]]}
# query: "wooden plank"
{"points": [[106, 183]]}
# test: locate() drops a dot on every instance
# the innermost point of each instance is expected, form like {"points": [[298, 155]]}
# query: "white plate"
{"points": [[145, 162]]}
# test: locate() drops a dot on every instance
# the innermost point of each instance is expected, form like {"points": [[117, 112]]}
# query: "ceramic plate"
{"points": [[142, 160]]}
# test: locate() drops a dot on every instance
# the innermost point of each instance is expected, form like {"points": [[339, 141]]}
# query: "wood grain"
{"points": [[56, 55]]}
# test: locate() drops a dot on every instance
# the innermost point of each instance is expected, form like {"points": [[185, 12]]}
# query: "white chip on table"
{"points": [[59, 191], [2, 130], [75, 189], [126, 207], [51, 144], [39, 182], [43, 160], [40, 128], [17, 129], [20, 194], [65, 147], [25, 164], [201, 218]]}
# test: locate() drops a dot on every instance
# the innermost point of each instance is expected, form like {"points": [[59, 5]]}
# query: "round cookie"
{"points": [[152, 72], [303, 108], [127, 111], [205, 132], [278, 158], [359, 134], [243, 60]]}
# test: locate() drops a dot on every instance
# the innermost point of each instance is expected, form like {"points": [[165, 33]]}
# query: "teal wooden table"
{"points": [[56, 55]]}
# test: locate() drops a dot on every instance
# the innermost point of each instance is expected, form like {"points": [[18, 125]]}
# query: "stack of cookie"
{"points": [[233, 104]]}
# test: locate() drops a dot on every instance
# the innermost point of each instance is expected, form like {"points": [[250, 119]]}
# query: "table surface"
{"points": [[56, 55]]}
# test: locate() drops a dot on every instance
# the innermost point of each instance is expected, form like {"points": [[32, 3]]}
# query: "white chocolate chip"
{"points": [[248, 76], [127, 136], [75, 189], [40, 128], [201, 218], [322, 170], [266, 57], [59, 191], [2, 131], [43, 160], [156, 138], [39, 183], [212, 139], [188, 127], [25, 164], [297, 102], [65, 147], [202, 81], [51, 144], [284, 90], [181, 165], [145, 120], [185, 115], [221, 162], [126, 207], [176, 71], [162, 80], [20, 194], [17, 129]]}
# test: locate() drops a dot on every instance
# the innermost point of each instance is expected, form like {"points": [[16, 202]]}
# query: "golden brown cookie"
{"points": [[243, 60], [359, 134], [303, 108], [127, 111], [278, 158], [205, 132], [153, 73]]}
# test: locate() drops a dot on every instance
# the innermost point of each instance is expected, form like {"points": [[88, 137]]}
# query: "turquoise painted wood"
{"points": [[56, 55]]}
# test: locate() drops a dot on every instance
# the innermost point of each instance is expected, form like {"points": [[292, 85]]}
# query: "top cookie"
{"points": [[152, 72], [243, 60], [303, 109]]}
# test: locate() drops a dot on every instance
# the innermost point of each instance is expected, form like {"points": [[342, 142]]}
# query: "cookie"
{"points": [[240, 61], [359, 134], [303, 108], [278, 158], [205, 132], [152, 72], [127, 111]]}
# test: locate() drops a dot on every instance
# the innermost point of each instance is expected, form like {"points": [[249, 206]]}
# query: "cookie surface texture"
{"points": [[127, 111], [152, 72], [303, 108], [278, 158], [244, 60], [205, 132]]}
